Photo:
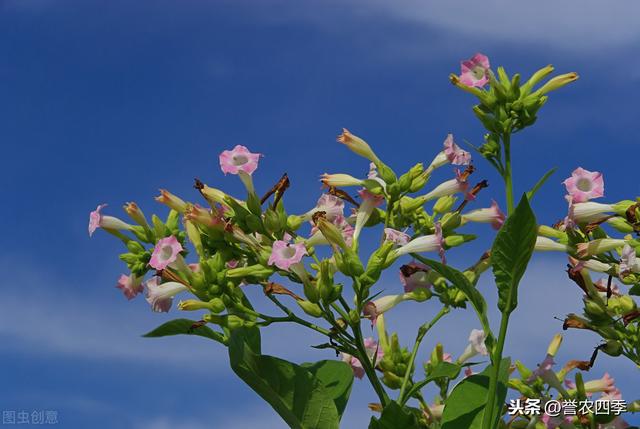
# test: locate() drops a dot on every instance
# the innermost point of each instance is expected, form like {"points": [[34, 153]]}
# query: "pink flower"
{"points": [[165, 252], [369, 203], [239, 159], [492, 215], [584, 185], [605, 384], [628, 262], [160, 296], [454, 154], [130, 285], [414, 275], [476, 346], [372, 349], [330, 204], [373, 309], [556, 421], [474, 71], [98, 220], [426, 243], [284, 254], [544, 369], [398, 237], [450, 187]]}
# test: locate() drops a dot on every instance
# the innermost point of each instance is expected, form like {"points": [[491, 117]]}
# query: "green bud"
{"points": [[593, 309], [451, 221], [444, 204], [135, 247], [386, 173], [310, 308], [194, 237], [257, 271], [354, 317], [457, 240], [253, 204], [419, 182], [522, 387], [525, 372], [311, 292], [391, 380], [557, 82], [352, 263], [409, 205], [621, 225], [272, 221], [294, 222], [420, 294], [129, 258], [331, 232], [536, 78], [547, 231], [377, 260], [621, 207], [254, 223], [613, 348]]}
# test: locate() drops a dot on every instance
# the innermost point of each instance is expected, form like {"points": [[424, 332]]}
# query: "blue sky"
{"points": [[107, 101]]}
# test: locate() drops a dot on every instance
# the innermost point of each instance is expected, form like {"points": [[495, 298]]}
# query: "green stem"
{"points": [[496, 357], [422, 331], [293, 318], [368, 368]]}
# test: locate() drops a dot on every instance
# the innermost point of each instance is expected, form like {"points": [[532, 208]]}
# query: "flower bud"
{"points": [[612, 348], [557, 82], [272, 221], [136, 214], [451, 221], [310, 308], [552, 350], [444, 204], [172, 201], [522, 387], [457, 240], [408, 204], [620, 224], [294, 222], [419, 182], [358, 146], [547, 231], [194, 236], [386, 173], [330, 231], [525, 373], [377, 262], [258, 271], [594, 310], [311, 292]]}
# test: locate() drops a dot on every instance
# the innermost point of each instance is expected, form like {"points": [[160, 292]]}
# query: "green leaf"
{"points": [[540, 182], [442, 370], [186, 327], [511, 252], [465, 406], [635, 290], [336, 377], [301, 399], [394, 417], [460, 281]]}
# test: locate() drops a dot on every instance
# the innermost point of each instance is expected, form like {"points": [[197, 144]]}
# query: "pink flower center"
{"points": [[584, 185], [478, 72], [288, 252]]}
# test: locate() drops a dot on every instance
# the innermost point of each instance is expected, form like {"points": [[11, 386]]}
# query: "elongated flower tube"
{"points": [[160, 295], [604, 384], [413, 276], [373, 309], [584, 185], [130, 285], [368, 204], [357, 145], [476, 346], [544, 244], [590, 264], [373, 351], [172, 201], [98, 220], [136, 214], [629, 262], [284, 254], [426, 243], [492, 215], [397, 237], [165, 252], [340, 180], [582, 213], [331, 205], [450, 187], [598, 246], [474, 72], [557, 82], [202, 216]]}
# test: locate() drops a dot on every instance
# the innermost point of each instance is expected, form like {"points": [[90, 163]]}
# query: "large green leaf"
{"points": [[293, 391], [465, 406], [511, 252], [336, 377], [186, 327], [394, 417], [460, 281]]}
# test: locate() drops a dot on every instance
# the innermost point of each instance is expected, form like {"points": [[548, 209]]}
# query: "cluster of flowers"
{"points": [[247, 242]]}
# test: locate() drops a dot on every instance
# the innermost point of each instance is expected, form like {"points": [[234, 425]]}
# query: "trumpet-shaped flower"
{"points": [[373, 309], [629, 262], [397, 237], [165, 252], [604, 384], [339, 180], [331, 205], [492, 215], [581, 213], [598, 246], [584, 185], [130, 285], [475, 71], [413, 276], [590, 264], [372, 349], [357, 145], [454, 154], [426, 243], [367, 206], [476, 346], [98, 220], [285, 254], [172, 201], [160, 295], [450, 187], [544, 244], [239, 159]]}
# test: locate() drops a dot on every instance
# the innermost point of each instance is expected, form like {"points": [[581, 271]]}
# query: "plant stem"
{"points": [[496, 357], [293, 318], [368, 368], [422, 331]]}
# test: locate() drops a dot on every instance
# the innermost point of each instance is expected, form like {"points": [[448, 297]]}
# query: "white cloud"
{"points": [[572, 25]]}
